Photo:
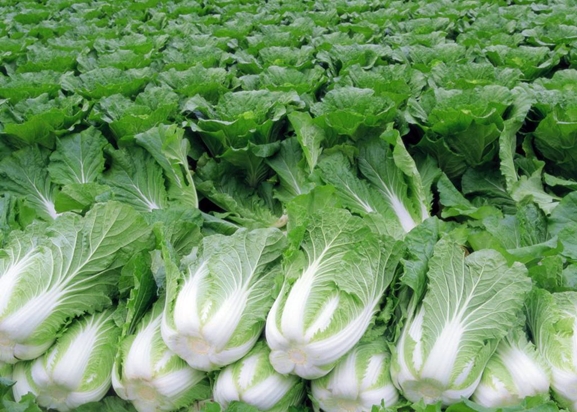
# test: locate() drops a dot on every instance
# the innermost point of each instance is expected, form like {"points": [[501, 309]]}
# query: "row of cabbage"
{"points": [[314, 290], [276, 166]]}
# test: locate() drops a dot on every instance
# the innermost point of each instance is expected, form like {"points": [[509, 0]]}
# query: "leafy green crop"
{"points": [[270, 189]]}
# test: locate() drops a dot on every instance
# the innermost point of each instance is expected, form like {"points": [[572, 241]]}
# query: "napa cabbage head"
{"points": [[361, 380], [69, 269], [335, 280], [254, 381], [515, 371], [552, 319], [216, 306], [77, 368], [470, 304], [151, 376]]}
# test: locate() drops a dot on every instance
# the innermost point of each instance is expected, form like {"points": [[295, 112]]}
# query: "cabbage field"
{"points": [[285, 205]]}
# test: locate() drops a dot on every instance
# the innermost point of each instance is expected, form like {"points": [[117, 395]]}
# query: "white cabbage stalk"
{"points": [[340, 280], [360, 380], [215, 311], [552, 319], [66, 271], [254, 381], [471, 304], [76, 370], [515, 371], [150, 375]]}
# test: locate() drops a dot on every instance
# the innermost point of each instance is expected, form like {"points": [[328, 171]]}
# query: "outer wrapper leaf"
{"points": [[24, 174], [289, 167], [170, 149], [357, 194], [392, 193], [137, 179], [78, 158]]}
